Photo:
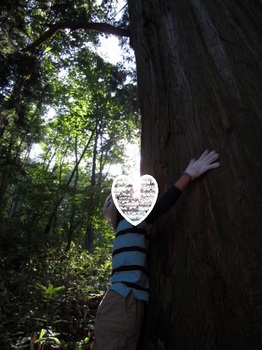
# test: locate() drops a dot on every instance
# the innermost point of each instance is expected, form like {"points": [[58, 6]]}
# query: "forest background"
{"points": [[67, 117]]}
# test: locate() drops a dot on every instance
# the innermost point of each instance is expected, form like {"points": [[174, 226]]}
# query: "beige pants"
{"points": [[118, 322]]}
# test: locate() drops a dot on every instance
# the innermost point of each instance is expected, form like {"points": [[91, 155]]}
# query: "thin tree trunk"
{"points": [[73, 205], [89, 234], [54, 211]]}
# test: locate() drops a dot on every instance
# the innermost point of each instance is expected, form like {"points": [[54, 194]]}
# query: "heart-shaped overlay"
{"points": [[134, 199]]}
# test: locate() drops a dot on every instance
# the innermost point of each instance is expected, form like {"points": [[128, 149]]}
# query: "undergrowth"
{"points": [[48, 300]]}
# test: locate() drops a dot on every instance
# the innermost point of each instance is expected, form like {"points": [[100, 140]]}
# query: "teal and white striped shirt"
{"points": [[129, 260], [129, 254]]}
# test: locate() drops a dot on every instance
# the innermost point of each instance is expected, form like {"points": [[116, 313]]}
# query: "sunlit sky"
{"points": [[111, 51]]}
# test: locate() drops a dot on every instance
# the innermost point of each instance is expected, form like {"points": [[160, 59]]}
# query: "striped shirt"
{"points": [[129, 254], [129, 260]]}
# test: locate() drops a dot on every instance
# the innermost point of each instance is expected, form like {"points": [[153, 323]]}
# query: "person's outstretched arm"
{"points": [[196, 168]]}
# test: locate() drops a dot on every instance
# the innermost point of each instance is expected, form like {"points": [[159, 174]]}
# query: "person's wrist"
{"points": [[183, 182], [188, 175]]}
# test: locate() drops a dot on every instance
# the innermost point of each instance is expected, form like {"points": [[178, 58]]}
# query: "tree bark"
{"points": [[200, 83]]}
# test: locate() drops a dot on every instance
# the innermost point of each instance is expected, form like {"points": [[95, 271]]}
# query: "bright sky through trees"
{"points": [[111, 52]]}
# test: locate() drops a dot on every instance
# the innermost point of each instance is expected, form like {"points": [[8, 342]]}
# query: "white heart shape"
{"points": [[134, 199]]}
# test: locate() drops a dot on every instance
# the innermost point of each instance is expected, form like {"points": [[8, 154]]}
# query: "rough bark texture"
{"points": [[200, 86]]}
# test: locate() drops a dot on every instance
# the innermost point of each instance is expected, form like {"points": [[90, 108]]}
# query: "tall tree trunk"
{"points": [[3, 188], [72, 216], [59, 200], [89, 233], [200, 83]]}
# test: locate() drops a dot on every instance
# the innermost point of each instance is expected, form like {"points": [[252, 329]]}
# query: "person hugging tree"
{"points": [[120, 314]]}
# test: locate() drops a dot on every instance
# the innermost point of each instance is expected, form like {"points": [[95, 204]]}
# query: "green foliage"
{"points": [[60, 192], [52, 297], [49, 291], [55, 245], [46, 337]]}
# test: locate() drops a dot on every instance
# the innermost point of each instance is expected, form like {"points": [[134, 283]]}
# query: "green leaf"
{"points": [[86, 340], [57, 341], [48, 48], [41, 335]]}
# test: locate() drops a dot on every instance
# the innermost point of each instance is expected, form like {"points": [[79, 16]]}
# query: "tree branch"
{"points": [[97, 27]]}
